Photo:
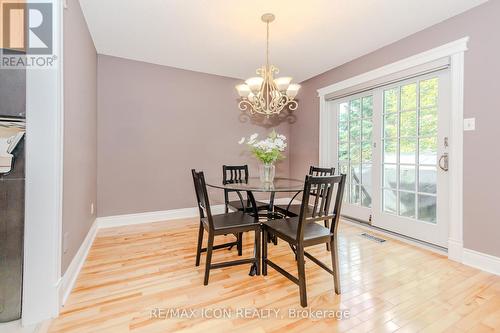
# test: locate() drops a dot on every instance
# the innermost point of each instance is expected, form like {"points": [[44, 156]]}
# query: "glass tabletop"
{"points": [[254, 184]]}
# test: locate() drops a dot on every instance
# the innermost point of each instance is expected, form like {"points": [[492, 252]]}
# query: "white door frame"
{"points": [[44, 172], [354, 211], [455, 51]]}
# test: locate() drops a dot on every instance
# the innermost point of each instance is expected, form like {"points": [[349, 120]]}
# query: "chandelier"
{"points": [[263, 94]]}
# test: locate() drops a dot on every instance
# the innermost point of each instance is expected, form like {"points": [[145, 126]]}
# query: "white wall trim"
{"points": [[17, 327], [456, 159], [68, 280], [455, 249], [326, 119], [166, 215], [147, 217], [455, 50], [439, 52], [283, 201], [482, 261], [43, 194]]}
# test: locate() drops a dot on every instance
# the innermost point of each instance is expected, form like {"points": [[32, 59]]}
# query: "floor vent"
{"points": [[373, 238]]}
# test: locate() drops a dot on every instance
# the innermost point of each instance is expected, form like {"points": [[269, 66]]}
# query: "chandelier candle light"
{"points": [[263, 94], [268, 151]]}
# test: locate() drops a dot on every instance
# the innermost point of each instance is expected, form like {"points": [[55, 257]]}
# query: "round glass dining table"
{"points": [[256, 185]]}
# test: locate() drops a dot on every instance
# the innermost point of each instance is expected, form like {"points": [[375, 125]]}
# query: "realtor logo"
{"points": [[26, 28]]}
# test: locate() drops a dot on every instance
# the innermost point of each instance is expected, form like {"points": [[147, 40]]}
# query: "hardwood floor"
{"points": [[387, 286]]}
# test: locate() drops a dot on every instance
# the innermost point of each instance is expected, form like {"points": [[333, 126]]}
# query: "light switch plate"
{"points": [[469, 124]]}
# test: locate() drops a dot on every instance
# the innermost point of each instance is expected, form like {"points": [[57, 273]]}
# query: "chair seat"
{"points": [[236, 204], [286, 228], [232, 222], [293, 210]]}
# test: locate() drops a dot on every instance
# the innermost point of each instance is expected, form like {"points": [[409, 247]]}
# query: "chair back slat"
{"points": [[326, 196], [200, 188], [232, 174], [317, 196], [323, 189], [317, 171]]}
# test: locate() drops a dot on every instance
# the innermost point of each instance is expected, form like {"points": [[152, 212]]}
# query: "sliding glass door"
{"points": [[355, 152], [392, 145]]}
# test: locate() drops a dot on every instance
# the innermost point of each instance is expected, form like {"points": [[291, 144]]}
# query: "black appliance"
{"points": [[12, 236], [12, 184]]}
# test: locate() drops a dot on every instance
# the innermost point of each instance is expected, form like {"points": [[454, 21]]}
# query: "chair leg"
{"points": [[264, 251], [200, 241], [226, 201], [327, 225], [210, 246], [257, 250], [302, 275], [335, 265], [240, 244]]}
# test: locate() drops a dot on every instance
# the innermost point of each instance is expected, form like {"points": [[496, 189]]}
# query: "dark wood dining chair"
{"points": [[302, 231], [232, 174], [223, 224], [294, 209]]}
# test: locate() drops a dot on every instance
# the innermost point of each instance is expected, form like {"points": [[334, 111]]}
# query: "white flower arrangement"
{"points": [[268, 150]]}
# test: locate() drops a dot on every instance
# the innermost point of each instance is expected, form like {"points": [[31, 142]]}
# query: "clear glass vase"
{"points": [[267, 172]]}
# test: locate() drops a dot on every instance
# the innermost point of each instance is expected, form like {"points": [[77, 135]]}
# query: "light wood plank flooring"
{"points": [[389, 286]]}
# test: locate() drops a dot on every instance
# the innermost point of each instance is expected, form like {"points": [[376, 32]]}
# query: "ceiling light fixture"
{"points": [[263, 94]]}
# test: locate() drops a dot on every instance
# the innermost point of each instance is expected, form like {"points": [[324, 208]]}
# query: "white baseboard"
{"points": [[482, 261], [69, 278], [165, 215], [283, 201], [16, 327], [43, 327], [455, 250]]}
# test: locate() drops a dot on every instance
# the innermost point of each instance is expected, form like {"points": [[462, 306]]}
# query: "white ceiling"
{"points": [[227, 37]]}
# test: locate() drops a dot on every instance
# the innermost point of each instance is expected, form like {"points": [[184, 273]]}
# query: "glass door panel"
{"points": [[410, 149], [355, 149], [413, 126]]}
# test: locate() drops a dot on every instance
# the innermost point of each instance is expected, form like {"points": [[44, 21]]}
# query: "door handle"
{"points": [[443, 162]]}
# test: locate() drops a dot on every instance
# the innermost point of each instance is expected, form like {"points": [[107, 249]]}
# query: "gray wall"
{"points": [[80, 130], [155, 123], [482, 72]]}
